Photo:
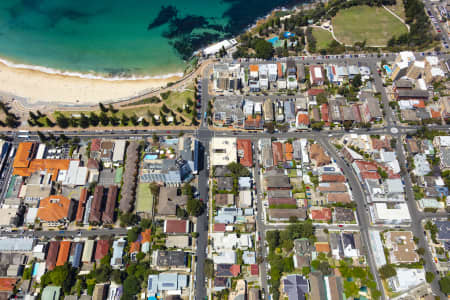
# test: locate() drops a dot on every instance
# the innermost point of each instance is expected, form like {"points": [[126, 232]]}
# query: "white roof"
{"points": [[75, 175], [31, 215], [408, 278], [407, 56], [272, 69], [227, 44], [436, 71], [444, 141], [397, 214], [41, 151], [119, 150], [432, 60], [419, 64], [16, 244], [229, 241], [223, 151], [245, 198], [422, 84], [377, 247], [394, 185], [317, 72], [225, 257]]}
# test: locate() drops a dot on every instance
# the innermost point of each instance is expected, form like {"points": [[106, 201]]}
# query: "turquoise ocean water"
{"points": [[119, 37]]}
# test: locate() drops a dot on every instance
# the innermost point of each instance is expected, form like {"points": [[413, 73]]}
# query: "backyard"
{"points": [[375, 25]]}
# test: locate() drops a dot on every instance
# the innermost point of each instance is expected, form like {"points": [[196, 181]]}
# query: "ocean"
{"points": [[118, 38]]}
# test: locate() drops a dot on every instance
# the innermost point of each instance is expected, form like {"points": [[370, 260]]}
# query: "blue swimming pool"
{"points": [[388, 69], [150, 157], [288, 34], [273, 40]]}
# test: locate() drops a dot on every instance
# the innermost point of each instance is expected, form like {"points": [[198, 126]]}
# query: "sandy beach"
{"points": [[37, 87]]}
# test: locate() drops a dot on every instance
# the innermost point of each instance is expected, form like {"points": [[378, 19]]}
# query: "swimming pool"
{"points": [[150, 157], [288, 34], [273, 40], [388, 70]]}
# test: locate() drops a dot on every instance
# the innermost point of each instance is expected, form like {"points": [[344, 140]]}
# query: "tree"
{"points": [[209, 268], [429, 276], [116, 276], [84, 121], [128, 219], [93, 119], [103, 108], [273, 238], [194, 207], [62, 121], [263, 49], [387, 271], [444, 284], [130, 286], [164, 108], [104, 120], [238, 170], [421, 251], [356, 81], [133, 234], [350, 289], [112, 109]]}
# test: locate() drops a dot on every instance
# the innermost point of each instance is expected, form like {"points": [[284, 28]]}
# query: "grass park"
{"points": [[179, 105], [375, 25], [323, 37]]}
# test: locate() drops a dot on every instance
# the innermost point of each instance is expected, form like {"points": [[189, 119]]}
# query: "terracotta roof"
{"points": [[63, 254], [338, 197], [366, 166], [322, 247], [335, 187], [96, 204], [317, 153], [277, 152], [92, 164], [95, 144], [54, 208], [219, 227], [135, 247], [52, 254], [81, 205], [324, 112], [370, 175], [245, 152], [235, 270], [421, 104], [435, 114], [7, 284], [146, 235], [254, 270], [23, 154], [175, 226], [52, 166], [288, 151], [253, 68], [101, 249], [332, 178], [303, 119], [322, 214], [315, 92], [379, 144]]}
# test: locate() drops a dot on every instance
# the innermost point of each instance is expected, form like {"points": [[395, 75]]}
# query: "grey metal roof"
{"points": [[16, 244]]}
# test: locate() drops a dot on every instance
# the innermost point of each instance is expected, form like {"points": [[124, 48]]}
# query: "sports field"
{"points": [[375, 25], [323, 37]]}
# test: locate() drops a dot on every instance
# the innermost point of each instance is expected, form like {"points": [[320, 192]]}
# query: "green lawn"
{"points": [[323, 37], [375, 25], [145, 199]]}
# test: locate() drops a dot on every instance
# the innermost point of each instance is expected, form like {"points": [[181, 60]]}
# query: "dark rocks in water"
{"points": [[187, 44], [185, 25], [165, 15]]}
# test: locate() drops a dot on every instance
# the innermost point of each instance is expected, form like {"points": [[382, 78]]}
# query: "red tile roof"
{"points": [[338, 197], [235, 270], [324, 112], [245, 151], [54, 208], [277, 150], [146, 235], [366, 166], [322, 214], [332, 178], [421, 104], [135, 247], [435, 114], [254, 270], [175, 226], [63, 254], [81, 205], [370, 175], [315, 92], [219, 227], [52, 254], [7, 284], [101, 249], [303, 119], [95, 144], [322, 247]]}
